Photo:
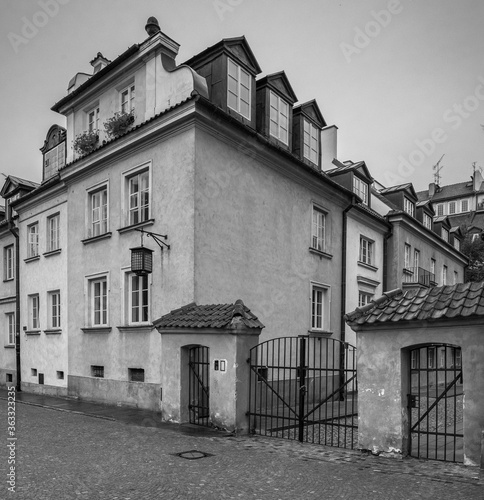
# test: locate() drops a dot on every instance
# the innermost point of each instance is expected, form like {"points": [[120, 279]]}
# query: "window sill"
{"points": [[319, 333], [52, 252], [8, 279], [31, 259], [97, 329], [92, 239], [9, 346], [367, 266], [32, 332], [407, 271], [53, 331], [320, 253], [125, 229], [146, 328]]}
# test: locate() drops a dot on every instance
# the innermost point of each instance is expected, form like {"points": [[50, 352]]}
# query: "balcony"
{"points": [[418, 276]]}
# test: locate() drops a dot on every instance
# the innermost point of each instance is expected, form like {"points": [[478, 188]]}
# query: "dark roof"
{"points": [[348, 166], [282, 79], [402, 187], [372, 212], [311, 110], [17, 183], [451, 191], [457, 301], [208, 316]]}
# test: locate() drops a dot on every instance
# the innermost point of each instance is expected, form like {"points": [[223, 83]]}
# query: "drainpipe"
{"points": [[343, 297], [14, 231], [386, 237]]}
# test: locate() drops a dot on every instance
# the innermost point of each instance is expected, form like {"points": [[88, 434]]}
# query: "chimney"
{"points": [[329, 151], [431, 189], [477, 180], [99, 62]]}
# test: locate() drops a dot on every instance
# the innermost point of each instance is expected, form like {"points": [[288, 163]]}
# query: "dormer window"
{"points": [[409, 206], [54, 151], [464, 206], [445, 234], [279, 118], [360, 188], [93, 119], [311, 142], [457, 244], [127, 99], [238, 89], [452, 207], [427, 221]]}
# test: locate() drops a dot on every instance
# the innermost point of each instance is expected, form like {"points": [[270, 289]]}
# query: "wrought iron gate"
{"points": [[436, 403], [304, 388], [198, 386]]}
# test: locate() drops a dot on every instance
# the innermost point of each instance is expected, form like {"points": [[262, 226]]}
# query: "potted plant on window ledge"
{"points": [[86, 142], [119, 123]]}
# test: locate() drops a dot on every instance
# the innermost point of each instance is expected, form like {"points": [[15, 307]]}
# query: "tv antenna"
{"points": [[437, 168]]}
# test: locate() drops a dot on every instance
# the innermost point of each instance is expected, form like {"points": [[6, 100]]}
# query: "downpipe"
{"points": [[15, 232]]}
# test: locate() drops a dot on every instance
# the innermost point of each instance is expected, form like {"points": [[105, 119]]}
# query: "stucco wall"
{"points": [[383, 379], [253, 233]]}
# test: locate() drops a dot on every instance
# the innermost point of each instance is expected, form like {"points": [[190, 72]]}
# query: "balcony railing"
{"points": [[418, 275]]}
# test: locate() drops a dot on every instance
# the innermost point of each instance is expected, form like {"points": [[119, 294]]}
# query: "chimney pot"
{"points": [[152, 26]]}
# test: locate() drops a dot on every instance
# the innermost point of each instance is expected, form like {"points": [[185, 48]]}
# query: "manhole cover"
{"points": [[193, 454]]}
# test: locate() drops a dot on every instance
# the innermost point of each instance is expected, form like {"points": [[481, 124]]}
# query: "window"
{"points": [[408, 249], [8, 263], [432, 267], [408, 206], [430, 357], [364, 298], [416, 259], [139, 197], [60, 375], [10, 328], [366, 251], [238, 89], [34, 312], [98, 209], [33, 372], [456, 358], [440, 209], [319, 230], [97, 371], [457, 244], [414, 358], [360, 188], [33, 240], [279, 118], [54, 160], [464, 206], [319, 307], [53, 231], [127, 99], [445, 234], [139, 296], [444, 275], [136, 374], [456, 278], [55, 309], [93, 119], [98, 301], [452, 207], [427, 221], [475, 237], [311, 142]]}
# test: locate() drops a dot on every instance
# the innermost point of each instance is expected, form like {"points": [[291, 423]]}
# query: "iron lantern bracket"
{"points": [[156, 237]]}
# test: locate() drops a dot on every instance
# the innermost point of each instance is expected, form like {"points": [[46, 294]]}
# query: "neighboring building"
{"points": [[463, 202], [215, 161]]}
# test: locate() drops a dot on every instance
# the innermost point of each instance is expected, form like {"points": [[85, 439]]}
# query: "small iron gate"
{"points": [[304, 388], [198, 386], [436, 403]]}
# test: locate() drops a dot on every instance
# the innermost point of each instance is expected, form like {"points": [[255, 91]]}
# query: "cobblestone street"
{"points": [[65, 455]]}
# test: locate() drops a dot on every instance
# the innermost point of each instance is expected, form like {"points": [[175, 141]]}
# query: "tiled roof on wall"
{"points": [[208, 316], [458, 301]]}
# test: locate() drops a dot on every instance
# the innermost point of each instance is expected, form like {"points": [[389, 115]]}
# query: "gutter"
{"points": [[15, 232]]}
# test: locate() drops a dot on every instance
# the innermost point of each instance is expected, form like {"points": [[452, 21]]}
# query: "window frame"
{"points": [[94, 111], [364, 298], [90, 300], [325, 310], [360, 188], [54, 304], [416, 258], [366, 255], [8, 263], [34, 311], [445, 234], [408, 206], [102, 222], [53, 244], [308, 148], [466, 209], [452, 207], [407, 252], [33, 246], [141, 306], [49, 170], [427, 221], [127, 176], [239, 86], [444, 275], [278, 114], [11, 327], [130, 91], [315, 228], [440, 209], [433, 265]]}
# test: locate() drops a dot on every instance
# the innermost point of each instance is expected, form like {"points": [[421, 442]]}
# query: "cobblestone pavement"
{"points": [[62, 455]]}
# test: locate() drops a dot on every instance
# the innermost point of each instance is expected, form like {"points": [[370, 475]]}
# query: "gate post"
{"points": [[302, 385]]}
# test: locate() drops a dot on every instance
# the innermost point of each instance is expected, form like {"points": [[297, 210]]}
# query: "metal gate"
{"points": [[304, 388], [198, 386], [436, 403]]}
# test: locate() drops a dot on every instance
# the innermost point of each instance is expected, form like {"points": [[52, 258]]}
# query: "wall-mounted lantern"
{"points": [[142, 257]]}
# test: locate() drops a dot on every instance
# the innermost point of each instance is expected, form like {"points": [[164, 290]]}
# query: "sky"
{"points": [[403, 80]]}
